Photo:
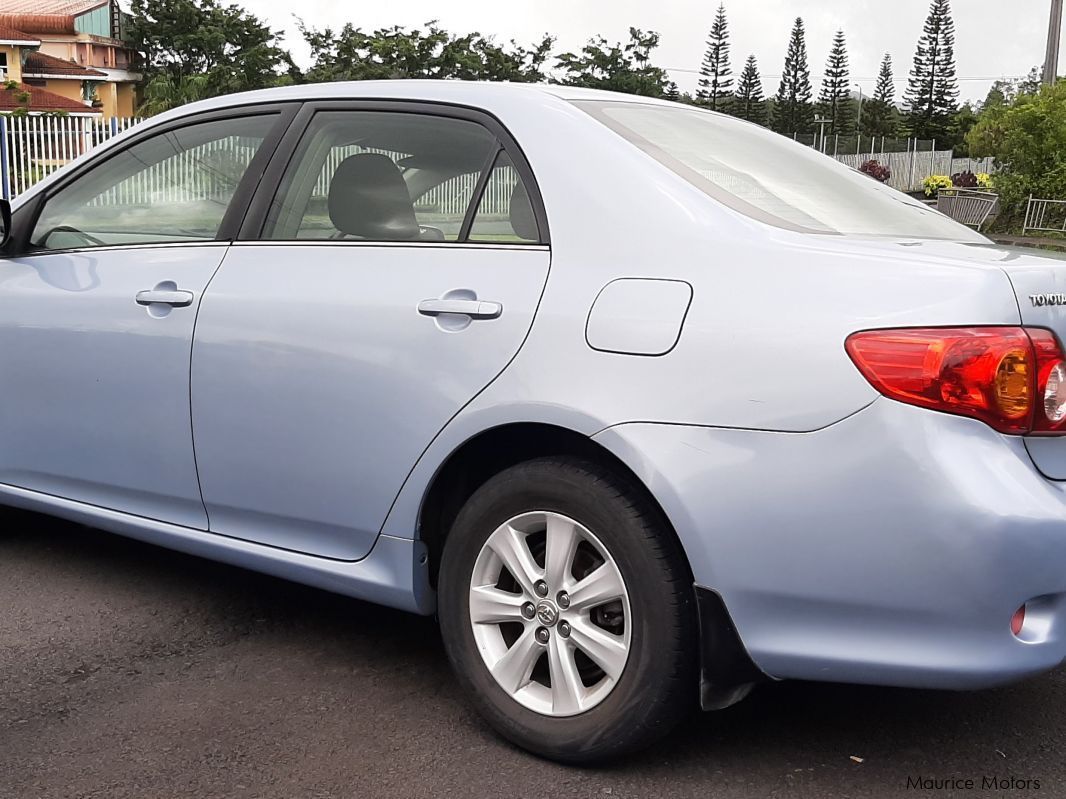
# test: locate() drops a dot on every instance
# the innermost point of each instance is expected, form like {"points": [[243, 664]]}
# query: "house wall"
{"points": [[66, 88], [107, 93], [118, 98], [14, 64], [126, 105], [84, 50]]}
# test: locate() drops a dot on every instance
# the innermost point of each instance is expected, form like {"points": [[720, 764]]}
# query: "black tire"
{"points": [[658, 685]]}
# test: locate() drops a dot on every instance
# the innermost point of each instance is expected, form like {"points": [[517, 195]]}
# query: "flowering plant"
{"points": [[876, 170], [935, 183]]}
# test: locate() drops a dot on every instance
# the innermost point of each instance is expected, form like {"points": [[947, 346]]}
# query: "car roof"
{"points": [[479, 94]]}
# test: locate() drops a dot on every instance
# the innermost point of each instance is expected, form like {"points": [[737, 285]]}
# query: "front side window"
{"points": [[770, 177], [172, 187], [382, 176]]}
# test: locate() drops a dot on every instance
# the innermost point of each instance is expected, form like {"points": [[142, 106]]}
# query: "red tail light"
{"points": [[1011, 378], [1017, 621]]}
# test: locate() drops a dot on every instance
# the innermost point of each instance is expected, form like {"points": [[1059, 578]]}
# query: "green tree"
{"points": [[203, 44], [749, 102], [1005, 92], [879, 114], [673, 93], [793, 111], [834, 101], [716, 84], [616, 67], [962, 122], [429, 52], [1027, 138], [165, 91], [933, 89]]}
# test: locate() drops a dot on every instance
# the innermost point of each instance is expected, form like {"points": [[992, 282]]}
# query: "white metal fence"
{"points": [[909, 170], [910, 160], [32, 147], [1045, 215]]}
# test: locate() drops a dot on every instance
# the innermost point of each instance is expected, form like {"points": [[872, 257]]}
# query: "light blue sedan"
{"points": [[648, 404]]}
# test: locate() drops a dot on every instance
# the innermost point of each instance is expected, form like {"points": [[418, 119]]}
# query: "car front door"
{"points": [[394, 274], [97, 314]]}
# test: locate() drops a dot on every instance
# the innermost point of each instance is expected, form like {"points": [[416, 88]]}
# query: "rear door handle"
{"points": [[173, 298], [475, 309]]}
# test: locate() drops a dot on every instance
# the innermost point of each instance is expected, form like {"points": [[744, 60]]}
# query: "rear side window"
{"points": [[172, 187], [390, 176], [505, 213], [772, 178]]}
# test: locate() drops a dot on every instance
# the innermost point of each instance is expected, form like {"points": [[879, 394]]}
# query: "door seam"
{"points": [[192, 348]]}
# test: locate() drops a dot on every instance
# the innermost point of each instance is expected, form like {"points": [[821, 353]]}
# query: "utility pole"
{"points": [[1054, 35], [821, 122], [858, 120]]}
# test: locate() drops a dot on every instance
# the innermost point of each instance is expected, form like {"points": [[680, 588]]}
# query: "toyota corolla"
{"points": [[646, 403]]}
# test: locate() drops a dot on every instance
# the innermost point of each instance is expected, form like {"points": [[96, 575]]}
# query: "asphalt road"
{"points": [[130, 671]]}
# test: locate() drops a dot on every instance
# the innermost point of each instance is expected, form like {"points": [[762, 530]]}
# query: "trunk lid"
{"points": [[1040, 284]]}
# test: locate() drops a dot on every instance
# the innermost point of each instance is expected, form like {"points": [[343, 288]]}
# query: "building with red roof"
{"points": [[70, 48]]}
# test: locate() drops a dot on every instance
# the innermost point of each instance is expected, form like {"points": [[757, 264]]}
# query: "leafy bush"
{"points": [[935, 183], [876, 170], [984, 180], [1028, 140], [964, 180]]}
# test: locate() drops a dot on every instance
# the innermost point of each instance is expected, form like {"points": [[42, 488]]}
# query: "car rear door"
{"points": [[97, 313], [392, 274]]}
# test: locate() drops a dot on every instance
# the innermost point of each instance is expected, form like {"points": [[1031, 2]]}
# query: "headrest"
{"points": [[368, 198], [523, 221]]}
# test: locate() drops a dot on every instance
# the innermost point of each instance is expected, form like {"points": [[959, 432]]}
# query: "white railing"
{"points": [[33, 147], [909, 170], [1045, 215], [971, 207]]}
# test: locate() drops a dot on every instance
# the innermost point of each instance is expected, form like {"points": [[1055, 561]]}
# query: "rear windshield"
{"points": [[772, 178]]}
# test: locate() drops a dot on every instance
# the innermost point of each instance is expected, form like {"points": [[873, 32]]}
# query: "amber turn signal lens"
{"points": [[1013, 384]]}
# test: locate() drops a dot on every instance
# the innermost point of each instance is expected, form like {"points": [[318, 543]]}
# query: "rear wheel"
{"points": [[566, 611]]}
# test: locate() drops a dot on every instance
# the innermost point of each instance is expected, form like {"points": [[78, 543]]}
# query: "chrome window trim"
{"points": [[417, 245], [112, 247]]}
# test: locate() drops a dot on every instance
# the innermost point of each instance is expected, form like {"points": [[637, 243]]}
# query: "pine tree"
{"points": [[834, 101], [716, 83], [749, 103], [793, 110], [885, 91], [879, 112], [932, 96], [673, 92]]}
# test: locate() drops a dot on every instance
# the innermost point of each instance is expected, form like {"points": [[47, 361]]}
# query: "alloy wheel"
{"points": [[550, 613]]}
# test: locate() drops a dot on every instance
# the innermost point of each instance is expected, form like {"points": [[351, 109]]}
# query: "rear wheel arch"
{"points": [[491, 451]]}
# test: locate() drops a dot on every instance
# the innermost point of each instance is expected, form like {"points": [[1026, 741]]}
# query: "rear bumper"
{"points": [[891, 548]]}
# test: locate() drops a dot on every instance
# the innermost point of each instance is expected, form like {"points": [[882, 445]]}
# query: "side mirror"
{"points": [[5, 222]]}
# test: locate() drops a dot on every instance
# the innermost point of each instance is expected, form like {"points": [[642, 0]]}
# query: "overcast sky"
{"points": [[995, 38]]}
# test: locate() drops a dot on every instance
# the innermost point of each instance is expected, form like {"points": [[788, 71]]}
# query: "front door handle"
{"points": [[475, 309], [174, 298]]}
